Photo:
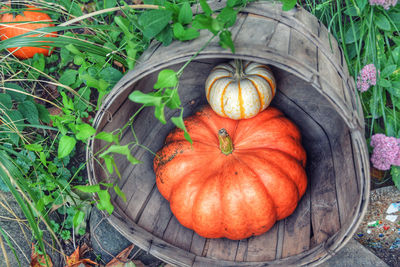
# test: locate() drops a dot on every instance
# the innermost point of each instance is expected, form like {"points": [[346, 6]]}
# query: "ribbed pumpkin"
{"points": [[12, 25], [240, 90], [238, 178]]}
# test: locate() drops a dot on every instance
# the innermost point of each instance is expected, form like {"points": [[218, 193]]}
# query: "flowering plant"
{"points": [[368, 31]]}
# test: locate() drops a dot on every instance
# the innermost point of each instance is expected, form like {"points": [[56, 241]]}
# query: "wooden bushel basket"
{"points": [[314, 90]]}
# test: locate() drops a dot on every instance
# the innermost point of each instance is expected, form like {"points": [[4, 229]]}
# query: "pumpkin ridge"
{"points": [[222, 97], [212, 84], [253, 172], [285, 176], [260, 96], [238, 159], [241, 150], [283, 170], [240, 101], [197, 204], [271, 84]]}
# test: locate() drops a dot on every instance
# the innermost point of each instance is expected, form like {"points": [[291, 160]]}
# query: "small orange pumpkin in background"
{"points": [[12, 25], [238, 178], [240, 90]]}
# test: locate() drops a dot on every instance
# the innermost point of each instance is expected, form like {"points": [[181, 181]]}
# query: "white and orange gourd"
{"points": [[240, 89]]}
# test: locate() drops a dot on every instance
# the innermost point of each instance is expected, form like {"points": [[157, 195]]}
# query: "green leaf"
{"points": [[202, 21], [67, 102], [232, 3], [104, 201], [361, 4], [119, 192], [15, 95], [110, 3], [5, 101], [159, 113], [225, 40], [382, 22], [108, 137], [44, 114], [123, 150], [154, 21], [351, 36], [174, 100], [85, 131], [68, 77], [288, 4], [166, 78], [165, 36], [227, 17], [78, 218], [183, 34], [89, 188], [71, 48], [108, 160], [146, 99], [385, 83], [388, 70], [29, 111], [78, 60], [42, 157], [395, 173], [111, 75], [39, 64], [66, 145], [185, 14], [206, 8], [178, 121], [34, 147]]}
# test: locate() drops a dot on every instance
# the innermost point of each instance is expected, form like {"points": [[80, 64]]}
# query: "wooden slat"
{"points": [[263, 248], [346, 182], [280, 39], [298, 228], [302, 49], [198, 243], [330, 42], [310, 22], [156, 216], [178, 235], [241, 252], [222, 249], [329, 73], [250, 33]]}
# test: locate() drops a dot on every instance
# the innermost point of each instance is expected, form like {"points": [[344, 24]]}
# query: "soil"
{"points": [[377, 232]]}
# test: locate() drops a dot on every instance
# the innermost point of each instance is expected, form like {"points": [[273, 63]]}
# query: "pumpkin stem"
{"points": [[225, 142], [239, 69]]}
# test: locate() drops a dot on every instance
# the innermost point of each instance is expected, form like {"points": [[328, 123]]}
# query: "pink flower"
{"points": [[366, 78], [384, 3], [386, 151]]}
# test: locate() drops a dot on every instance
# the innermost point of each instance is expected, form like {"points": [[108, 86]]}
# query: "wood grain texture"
{"points": [[314, 90]]}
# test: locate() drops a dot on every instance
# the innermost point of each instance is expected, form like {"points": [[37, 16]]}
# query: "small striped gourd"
{"points": [[240, 89]]}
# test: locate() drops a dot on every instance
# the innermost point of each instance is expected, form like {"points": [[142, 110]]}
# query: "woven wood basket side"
{"points": [[293, 42]]}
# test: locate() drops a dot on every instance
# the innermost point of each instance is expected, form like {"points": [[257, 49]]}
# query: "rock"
{"points": [[354, 254], [107, 242], [14, 226]]}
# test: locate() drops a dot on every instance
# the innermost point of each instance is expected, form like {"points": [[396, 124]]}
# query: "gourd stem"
{"points": [[225, 142], [239, 68]]}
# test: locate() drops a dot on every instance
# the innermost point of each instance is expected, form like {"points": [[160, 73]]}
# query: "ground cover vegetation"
{"points": [[47, 102]]}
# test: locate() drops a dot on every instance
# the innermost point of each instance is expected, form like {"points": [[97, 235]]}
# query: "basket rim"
{"points": [[326, 249]]}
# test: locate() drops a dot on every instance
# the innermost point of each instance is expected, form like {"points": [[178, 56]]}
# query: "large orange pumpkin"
{"points": [[238, 178], [12, 25]]}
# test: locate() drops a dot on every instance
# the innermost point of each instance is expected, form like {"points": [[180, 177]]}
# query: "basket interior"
{"points": [[327, 207]]}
